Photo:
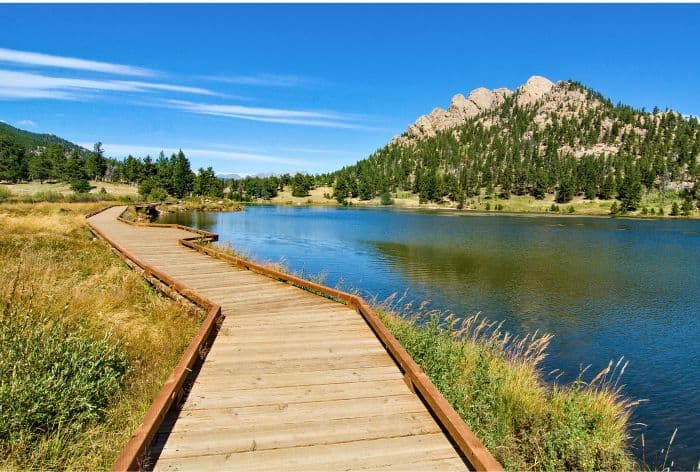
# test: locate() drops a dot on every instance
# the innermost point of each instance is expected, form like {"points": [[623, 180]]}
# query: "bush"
{"points": [[157, 195], [80, 186], [53, 375], [675, 210], [571, 209], [554, 208], [614, 209], [386, 199], [5, 193]]}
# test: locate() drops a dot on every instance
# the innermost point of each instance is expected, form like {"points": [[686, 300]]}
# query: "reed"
{"points": [[494, 381]]}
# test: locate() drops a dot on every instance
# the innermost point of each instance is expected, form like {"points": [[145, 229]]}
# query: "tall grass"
{"points": [[492, 378], [86, 343]]}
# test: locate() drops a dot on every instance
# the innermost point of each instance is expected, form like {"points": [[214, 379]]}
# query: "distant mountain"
{"points": [[541, 138], [229, 176], [37, 141]]}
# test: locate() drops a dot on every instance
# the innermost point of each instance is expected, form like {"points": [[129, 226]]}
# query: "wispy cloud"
{"points": [[270, 115], [263, 80], [30, 85], [47, 60], [121, 150], [29, 123]]}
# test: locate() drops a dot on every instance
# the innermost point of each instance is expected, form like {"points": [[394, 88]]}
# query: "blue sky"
{"points": [[281, 88]]}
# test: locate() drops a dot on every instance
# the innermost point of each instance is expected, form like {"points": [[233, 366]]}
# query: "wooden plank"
{"points": [[294, 412], [294, 394], [234, 438], [343, 456], [284, 379]]}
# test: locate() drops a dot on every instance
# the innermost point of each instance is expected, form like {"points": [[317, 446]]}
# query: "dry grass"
{"points": [[69, 276], [31, 188]]}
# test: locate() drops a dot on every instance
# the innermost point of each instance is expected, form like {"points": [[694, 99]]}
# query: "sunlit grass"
{"points": [[57, 279], [491, 377]]}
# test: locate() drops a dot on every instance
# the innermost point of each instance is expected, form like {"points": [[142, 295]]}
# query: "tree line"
{"points": [[54, 162]]}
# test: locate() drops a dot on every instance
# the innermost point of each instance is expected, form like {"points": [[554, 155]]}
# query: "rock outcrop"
{"points": [[460, 110], [533, 90], [463, 108]]}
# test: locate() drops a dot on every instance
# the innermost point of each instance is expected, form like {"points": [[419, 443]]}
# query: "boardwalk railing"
{"points": [[132, 454]]}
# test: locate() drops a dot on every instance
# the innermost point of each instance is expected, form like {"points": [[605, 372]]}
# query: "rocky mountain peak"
{"points": [[463, 108], [534, 89]]}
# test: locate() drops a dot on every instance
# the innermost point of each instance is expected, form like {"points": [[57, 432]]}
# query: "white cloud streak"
{"points": [[269, 115], [122, 150], [47, 60], [264, 80], [30, 85], [26, 123]]}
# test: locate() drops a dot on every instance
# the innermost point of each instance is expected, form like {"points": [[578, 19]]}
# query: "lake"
{"points": [[604, 287]]}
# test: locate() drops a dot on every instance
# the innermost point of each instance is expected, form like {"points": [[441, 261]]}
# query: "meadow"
{"points": [[86, 342]]}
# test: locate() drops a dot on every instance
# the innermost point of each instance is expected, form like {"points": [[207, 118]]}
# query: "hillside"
{"points": [[543, 138], [35, 141]]}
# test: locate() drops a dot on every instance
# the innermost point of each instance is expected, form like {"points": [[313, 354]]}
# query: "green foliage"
{"points": [[385, 198], [208, 184], [687, 207], [4, 194], [675, 210], [614, 209], [554, 208], [301, 184], [53, 375], [80, 185]]}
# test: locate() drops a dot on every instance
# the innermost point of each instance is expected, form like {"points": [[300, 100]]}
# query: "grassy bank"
{"points": [[60, 193], [86, 343], [321, 196], [492, 379]]}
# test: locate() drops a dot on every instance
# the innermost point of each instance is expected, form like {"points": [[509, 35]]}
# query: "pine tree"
{"points": [[181, 176]]}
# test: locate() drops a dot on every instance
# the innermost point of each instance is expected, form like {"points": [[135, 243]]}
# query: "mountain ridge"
{"points": [[541, 138]]}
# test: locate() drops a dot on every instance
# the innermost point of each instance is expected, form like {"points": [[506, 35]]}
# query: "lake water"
{"points": [[604, 287]]}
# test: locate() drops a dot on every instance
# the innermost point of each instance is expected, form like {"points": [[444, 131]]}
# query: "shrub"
{"points": [[5, 193], [80, 186], [53, 375], [386, 199], [675, 210]]}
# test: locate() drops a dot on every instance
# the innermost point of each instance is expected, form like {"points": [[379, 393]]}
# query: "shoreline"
{"points": [[470, 212]]}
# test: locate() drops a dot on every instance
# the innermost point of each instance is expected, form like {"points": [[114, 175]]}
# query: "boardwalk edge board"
{"points": [[132, 454]]}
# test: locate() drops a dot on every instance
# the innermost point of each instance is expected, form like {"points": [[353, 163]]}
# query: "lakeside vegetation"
{"points": [[86, 342], [493, 381]]}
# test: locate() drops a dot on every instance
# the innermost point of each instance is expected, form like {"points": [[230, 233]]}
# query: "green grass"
{"points": [[493, 381], [86, 342]]}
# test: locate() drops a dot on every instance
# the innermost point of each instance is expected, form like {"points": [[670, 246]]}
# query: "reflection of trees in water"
{"points": [[196, 219], [535, 279]]}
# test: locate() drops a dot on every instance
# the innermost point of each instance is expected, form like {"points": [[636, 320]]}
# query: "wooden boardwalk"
{"points": [[293, 380]]}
